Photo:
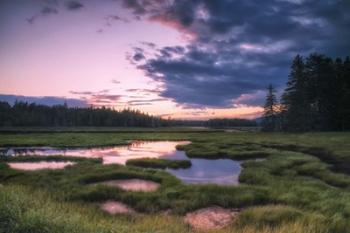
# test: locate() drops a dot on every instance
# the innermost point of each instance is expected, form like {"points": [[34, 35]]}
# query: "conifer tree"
{"points": [[322, 92], [295, 108], [270, 117], [317, 97], [344, 103]]}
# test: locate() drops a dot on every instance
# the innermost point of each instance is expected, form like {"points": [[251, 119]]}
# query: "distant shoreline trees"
{"points": [[227, 123], [25, 114], [317, 96]]}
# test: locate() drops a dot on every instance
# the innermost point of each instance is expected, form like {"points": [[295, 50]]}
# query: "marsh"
{"points": [[201, 171]]}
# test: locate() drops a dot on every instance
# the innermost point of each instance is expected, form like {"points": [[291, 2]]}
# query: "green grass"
{"points": [[295, 188], [109, 129], [159, 163], [85, 139], [48, 158], [24, 210]]}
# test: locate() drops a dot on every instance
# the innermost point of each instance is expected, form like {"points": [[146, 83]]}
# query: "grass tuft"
{"points": [[159, 163]]}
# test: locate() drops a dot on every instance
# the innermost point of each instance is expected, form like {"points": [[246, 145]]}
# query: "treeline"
{"points": [[25, 114], [31, 114], [227, 123], [317, 97]]}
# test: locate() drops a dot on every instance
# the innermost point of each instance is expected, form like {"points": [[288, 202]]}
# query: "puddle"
{"points": [[31, 166], [132, 185], [109, 155], [116, 207], [202, 171], [211, 218]]}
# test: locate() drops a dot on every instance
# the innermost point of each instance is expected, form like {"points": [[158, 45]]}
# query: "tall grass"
{"points": [[24, 210], [159, 163]]}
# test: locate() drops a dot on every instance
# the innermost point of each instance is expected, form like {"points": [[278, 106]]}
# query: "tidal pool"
{"points": [[116, 207], [202, 171], [31, 166], [132, 185]]}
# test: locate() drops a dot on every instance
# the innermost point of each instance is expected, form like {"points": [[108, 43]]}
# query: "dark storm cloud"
{"points": [[44, 100], [138, 57], [50, 7], [237, 47], [46, 10], [73, 5], [136, 5], [203, 78]]}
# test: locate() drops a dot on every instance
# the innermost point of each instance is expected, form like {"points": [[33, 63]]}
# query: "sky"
{"points": [[182, 59]]}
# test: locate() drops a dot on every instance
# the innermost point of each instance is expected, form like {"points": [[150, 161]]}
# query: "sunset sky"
{"points": [[182, 59]]}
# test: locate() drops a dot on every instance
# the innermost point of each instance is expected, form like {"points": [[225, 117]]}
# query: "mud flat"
{"points": [[116, 207], [32, 166], [211, 218], [136, 185]]}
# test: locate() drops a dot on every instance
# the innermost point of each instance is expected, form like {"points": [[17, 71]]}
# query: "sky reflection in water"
{"points": [[218, 171]]}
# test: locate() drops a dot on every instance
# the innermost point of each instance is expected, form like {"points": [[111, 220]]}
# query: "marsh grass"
{"points": [[56, 158], [159, 163], [289, 191], [217, 151], [25, 210]]}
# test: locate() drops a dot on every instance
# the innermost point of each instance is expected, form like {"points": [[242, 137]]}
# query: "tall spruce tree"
{"points": [[295, 109], [322, 92], [270, 117], [340, 87], [344, 102], [317, 97]]}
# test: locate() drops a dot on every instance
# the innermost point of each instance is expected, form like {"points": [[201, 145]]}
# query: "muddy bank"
{"points": [[116, 207], [136, 185], [32, 166], [211, 218]]}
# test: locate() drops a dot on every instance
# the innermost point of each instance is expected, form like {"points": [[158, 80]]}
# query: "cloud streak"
{"points": [[102, 97], [73, 5], [44, 100], [52, 8]]}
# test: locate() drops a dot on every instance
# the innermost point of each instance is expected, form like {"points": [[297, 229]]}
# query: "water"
{"points": [[32, 166], [202, 171]]}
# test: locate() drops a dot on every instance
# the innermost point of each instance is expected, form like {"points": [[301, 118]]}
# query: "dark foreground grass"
{"points": [[159, 163], [287, 191], [24, 210], [53, 158]]}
